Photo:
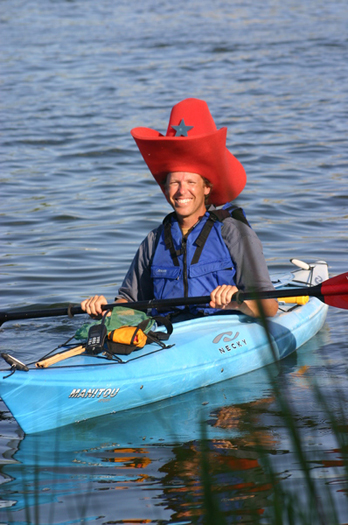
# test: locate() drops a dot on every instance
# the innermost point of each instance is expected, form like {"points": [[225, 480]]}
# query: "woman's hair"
{"points": [[209, 185]]}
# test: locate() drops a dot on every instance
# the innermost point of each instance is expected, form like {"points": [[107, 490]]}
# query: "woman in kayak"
{"points": [[198, 250]]}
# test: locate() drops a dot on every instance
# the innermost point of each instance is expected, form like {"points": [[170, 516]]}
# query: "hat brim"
{"points": [[206, 155]]}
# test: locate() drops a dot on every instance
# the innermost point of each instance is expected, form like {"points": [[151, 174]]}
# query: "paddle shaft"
{"points": [[157, 303], [35, 314], [333, 291], [72, 310]]}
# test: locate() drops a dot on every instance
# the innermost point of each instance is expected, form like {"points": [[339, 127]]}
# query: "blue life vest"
{"points": [[195, 264]]}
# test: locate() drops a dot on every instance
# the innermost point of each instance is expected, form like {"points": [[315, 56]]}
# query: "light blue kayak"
{"points": [[205, 351]]}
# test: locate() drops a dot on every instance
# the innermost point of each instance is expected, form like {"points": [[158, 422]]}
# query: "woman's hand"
{"points": [[221, 297], [93, 305]]}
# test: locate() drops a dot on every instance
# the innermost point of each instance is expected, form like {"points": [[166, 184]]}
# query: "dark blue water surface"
{"points": [[77, 199]]}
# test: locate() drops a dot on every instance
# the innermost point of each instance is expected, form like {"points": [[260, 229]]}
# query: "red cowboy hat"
{"points": [[193, 144]]}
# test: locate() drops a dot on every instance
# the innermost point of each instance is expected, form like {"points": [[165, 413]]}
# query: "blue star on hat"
{"points": [[182, 129]]}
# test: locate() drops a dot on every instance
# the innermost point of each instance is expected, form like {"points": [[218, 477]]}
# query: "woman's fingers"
{"points": [[93, 305], [221, 296]]}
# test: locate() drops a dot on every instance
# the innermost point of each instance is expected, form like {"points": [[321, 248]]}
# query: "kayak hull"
{"points": [[205, 351]]}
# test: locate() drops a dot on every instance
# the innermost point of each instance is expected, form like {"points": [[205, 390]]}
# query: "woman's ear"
{"points": [[207, 190]]}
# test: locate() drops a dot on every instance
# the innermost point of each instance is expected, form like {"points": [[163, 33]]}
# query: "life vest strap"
{"points": [[168, 240], [202, 238]]}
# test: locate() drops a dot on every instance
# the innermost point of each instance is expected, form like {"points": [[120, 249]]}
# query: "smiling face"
{"points": [[186, 192]]}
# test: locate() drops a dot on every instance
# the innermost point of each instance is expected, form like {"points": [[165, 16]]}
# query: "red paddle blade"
{"points": [[335, 291]]}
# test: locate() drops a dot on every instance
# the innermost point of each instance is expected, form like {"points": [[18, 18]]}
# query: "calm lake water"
{"points": [[77, 200]]}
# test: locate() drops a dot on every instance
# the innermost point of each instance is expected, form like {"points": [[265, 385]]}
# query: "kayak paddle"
{"points": [[333, 291]]}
